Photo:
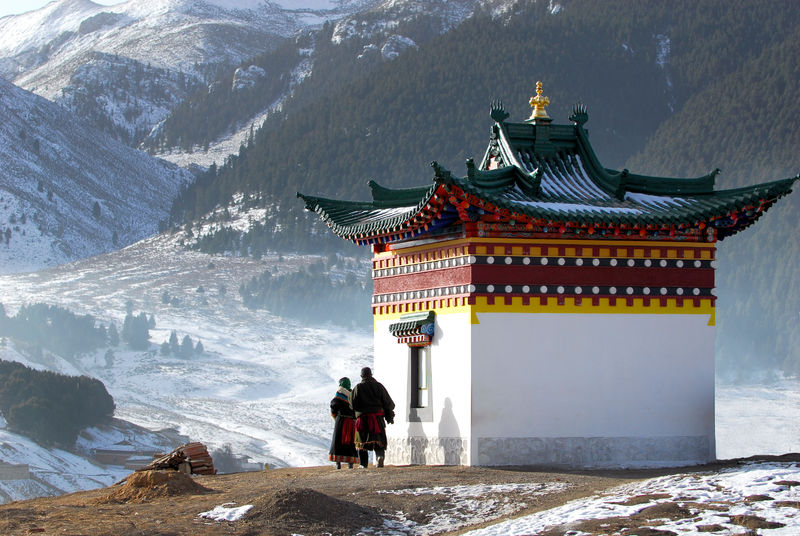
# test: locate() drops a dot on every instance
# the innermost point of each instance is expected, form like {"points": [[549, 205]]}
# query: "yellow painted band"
{"points": [[604, 307]]}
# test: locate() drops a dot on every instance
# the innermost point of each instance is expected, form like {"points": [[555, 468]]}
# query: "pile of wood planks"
{"points": [[189, 458], [199, 459]]}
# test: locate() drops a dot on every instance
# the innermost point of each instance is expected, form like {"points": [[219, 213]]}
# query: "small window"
{"points": [[420, 376]]}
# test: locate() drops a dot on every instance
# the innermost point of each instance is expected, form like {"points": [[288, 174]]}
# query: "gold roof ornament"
{"points": [[539, 103]]}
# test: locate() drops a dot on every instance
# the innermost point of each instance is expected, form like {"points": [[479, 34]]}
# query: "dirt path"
{"points": [[309, 501]]}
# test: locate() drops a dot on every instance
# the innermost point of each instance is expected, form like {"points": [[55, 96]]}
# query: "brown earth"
{"points": [[309, 501]]}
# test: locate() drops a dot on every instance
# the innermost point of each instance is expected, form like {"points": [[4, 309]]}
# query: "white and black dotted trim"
{"points": [[544, 290], [541, 261]]}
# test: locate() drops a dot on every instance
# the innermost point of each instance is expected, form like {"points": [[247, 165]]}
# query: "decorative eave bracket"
{"points": [[415, 329]]}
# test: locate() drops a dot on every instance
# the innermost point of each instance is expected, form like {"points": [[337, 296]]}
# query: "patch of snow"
{"points": [[725, 492], [369, 51], [662, 52], [396, 45], [466, 505], [247, 78], [553, 205], [657, 200], [226, 512], [663, 46]]}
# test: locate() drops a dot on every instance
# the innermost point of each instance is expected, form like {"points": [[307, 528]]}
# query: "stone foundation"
{"points": [[427, 451], [594, 452]]}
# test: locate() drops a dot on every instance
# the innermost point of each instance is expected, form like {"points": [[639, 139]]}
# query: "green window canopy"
{"points": [[414, 329]]}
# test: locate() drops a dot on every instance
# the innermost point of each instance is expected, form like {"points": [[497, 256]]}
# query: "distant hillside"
{"points": [[745, 122], [127, 67], [433, 104], [314, 63], [67, 191], [669, 91]]}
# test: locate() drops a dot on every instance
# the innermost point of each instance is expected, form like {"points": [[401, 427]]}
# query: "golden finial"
{"points": [[538, 103]]}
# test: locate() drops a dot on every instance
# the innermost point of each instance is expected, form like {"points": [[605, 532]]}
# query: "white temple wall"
{"points": [[438, 434], [603, 390]]}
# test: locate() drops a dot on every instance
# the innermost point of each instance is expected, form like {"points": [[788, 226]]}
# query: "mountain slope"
{"points": [[746, 123], [68, 191], [75, 52], [126, 67], [314, 64], [427, 105]]}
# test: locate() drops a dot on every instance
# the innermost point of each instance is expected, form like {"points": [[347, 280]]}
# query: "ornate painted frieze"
{"points": [[545, 275]]}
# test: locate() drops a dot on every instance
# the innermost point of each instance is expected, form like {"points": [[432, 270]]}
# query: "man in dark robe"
{"points": [[374, 408]]}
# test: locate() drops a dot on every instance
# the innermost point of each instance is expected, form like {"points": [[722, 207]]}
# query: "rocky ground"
{"points": [[319, 501]]}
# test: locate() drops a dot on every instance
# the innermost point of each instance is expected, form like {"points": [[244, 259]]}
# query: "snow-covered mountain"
{"points": [[351, 46], [129, 64], [126, 67], [42, 48], [68, 191]]}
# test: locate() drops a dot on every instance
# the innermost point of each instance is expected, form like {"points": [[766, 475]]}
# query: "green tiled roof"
{"points": [[548, 174]]}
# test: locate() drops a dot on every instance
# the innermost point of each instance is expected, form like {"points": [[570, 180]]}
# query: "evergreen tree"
{"points": [[187, 347], [51, 408], [109, 358], [113, 335], [135, 331], [173, 343]]}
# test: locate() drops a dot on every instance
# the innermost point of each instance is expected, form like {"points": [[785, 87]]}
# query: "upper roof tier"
{"points": [[538, 179]]}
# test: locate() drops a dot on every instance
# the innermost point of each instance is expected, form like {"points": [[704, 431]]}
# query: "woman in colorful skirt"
{"points": [[342, 446]]}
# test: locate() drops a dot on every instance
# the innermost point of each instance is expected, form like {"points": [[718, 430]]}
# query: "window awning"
{"points": [[415, 329]]}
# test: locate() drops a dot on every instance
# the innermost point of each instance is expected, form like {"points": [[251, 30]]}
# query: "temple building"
{"points": [[543, 309]]}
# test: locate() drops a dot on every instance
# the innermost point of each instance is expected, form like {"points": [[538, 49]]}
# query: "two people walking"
{"points": [[360, 425]]}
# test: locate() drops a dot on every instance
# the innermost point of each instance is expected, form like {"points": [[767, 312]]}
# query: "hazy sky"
{"points": [[10, 7]]}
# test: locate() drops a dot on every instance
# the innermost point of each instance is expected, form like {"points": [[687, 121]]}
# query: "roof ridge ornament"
{"points": [[440, 172], [498, 113], [579, 114], [539, 103]]}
